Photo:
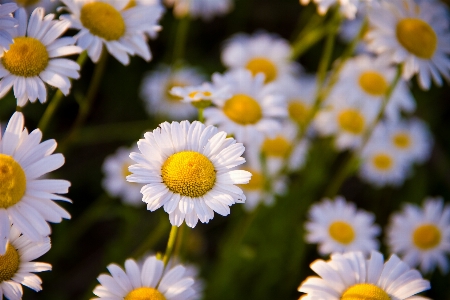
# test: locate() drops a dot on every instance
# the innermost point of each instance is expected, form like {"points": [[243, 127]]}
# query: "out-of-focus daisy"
{"points": [[187, 168], [200, 96], [252, 112], [412, 33], [347, 7], [26, 200], [421, 236], [30, 5], [368, 78], [17, 267], [156, 87], [115, 168], [350, 276], [33, 58], [111, 23], [337, 226], [260, 53], [205, 9], [8, 23], [148, 281]]}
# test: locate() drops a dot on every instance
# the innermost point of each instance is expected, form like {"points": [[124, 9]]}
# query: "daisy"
{"points": [[347, 7], [156, 87], [17, 267], [205, 9], [421, 236], [115, 168], [252, 112], [7, 24], [200, 96], [187, 168], [413, 34], [122, 30], [337, 226], [149, 281], [26, 200], [260, 53], [351, 276], [33, 58]]}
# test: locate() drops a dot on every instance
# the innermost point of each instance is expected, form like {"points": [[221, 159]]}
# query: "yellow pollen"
{"points": [[277, 146], [9, 263], [382, 161], [188, 173], [131, 4], [417, 37], [298, 111], [171, 84], [103, 20], [145, 293], [365, 291], [373, 83], [401, 140], [256, 183], [243, 109], [13, 181], [262, 65], [26, 57], [25, 3], [351, 120], [427, 236], [342, 232]]}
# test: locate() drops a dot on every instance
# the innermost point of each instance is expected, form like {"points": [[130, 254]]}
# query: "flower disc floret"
{"points": [[373, 83], [188, 173], [351, 120], [427, 236], [9, 263], [145, 293], [27, 57], [417, 37], [365, 291], [342, 232], [382, 161], [262, 65], [278, 146], [401, 140], [103, 20], [13, 181], [243, 109], [298, 112]]}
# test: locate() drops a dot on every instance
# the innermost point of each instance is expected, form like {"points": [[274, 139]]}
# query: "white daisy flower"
{"points": [[26, 200], [368, 78], [260, 53], [187, 168], [33, 58], [413, 34], [7, 23], [156, 87], [115, 168], [122, 30], [351, 276], [17, 267], [337, 226], [252, 112], [347, 7], [205, 9], [149, 281], [200, 96], [421, 236]]}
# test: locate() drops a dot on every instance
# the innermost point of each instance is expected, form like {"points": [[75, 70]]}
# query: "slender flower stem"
{"points": [[180, 41], [170, 244], [201, 118]]}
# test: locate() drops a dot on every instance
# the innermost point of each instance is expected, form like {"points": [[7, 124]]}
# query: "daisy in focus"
{"points": [[188, 169], [205, 9], [7, 24], [111, 23], [350, 276], [148, 281], [17, 267], [337, 226], [115, 169], [156, 90], [414, 34], [34, 58], [26, 200], [421, 235], [347, 7]]}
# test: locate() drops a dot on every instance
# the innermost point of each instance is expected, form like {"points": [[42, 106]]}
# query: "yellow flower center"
{"points": [[243, 109], [9, 263], [188, 173], [26, 2], [382, 161], [427, 236], [351, 120], [26, 57], [298, 111], [256, 183], [103, 20], [373, 83], [365, 291], [144, 293], [402, 140], [13, 181], [125, 171], [171, 84], [262, 65], [417, 37], [342, 232], [278, 146]]}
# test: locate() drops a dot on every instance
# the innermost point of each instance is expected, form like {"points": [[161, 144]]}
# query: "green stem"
{"points": [[57, 100], [180, 41], [308, 36], [170, 244], [200, 115]]}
